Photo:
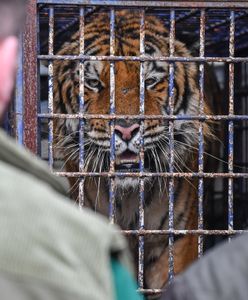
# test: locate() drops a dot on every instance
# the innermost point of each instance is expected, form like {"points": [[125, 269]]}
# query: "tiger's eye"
{"points": [[93, 82], [150, 81]]}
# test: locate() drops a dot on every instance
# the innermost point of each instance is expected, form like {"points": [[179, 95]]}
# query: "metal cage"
{"points": [[221, 30]]}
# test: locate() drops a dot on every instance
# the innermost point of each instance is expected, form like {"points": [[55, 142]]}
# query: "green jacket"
{"points": [[48, 248]]}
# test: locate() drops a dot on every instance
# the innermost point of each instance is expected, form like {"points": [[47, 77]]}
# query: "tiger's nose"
{"points": [[127, 133]]}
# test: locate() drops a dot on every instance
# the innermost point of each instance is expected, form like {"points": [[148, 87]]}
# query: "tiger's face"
{"points": [[127, 134]]}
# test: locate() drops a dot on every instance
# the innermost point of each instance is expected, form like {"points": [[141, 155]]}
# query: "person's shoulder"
{"points": [[27, 185], [57, 242], [23, 189], [219, 274]]}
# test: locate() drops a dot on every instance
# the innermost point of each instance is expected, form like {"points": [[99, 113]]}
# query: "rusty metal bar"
{"points": [[141, 155], [50, 86], [230, 123], [19, 98], [30, 78], [81, 109], [157, 174], [146, 117], [183, 232], [144, 57], [200, 133], [38, 100], [160, 4], [171, 144], [112, 122]]}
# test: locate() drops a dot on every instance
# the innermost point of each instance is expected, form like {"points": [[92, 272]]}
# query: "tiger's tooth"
{"points": [[117, 160]]}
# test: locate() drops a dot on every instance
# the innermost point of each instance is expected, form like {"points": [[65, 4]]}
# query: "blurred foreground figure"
{"points": [[222, 274], [49, 249]]}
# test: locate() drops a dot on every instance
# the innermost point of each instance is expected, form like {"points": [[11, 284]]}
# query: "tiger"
{"points": [[127, 133]]}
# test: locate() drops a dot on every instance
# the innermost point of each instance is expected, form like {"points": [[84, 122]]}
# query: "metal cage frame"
{"points": [[29, 116]]}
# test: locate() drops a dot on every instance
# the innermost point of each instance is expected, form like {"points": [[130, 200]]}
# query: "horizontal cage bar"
{"points": [[184, 232], [146, 117], [143, 58], [148, 174], [160, 4]]}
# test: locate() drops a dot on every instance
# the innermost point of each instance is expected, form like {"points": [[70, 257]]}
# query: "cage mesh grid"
{"points": [[231, 60]]}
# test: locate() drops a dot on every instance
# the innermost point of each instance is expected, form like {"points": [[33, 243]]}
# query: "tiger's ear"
{"points": [[8, 63]]}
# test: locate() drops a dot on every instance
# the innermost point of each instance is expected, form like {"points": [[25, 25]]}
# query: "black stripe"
{"points": [[67, 67], [68, 94], [100, 139], [187, 93], [61, 103], [176, 193], [158, 69], [163, 220], [154, 135], [179, 218], [125, 42], [177, 97], [88, 41], [153, 40]]}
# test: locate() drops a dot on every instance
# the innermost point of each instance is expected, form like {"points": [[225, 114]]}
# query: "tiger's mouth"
{"points": [[128, 161]]}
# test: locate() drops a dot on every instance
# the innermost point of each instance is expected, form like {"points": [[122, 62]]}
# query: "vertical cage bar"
{"points": [[81, 107], [141, 158], [230, 123], [38, 86], [19, 98], [112, 124], [200, 132], [30, 77], [50, 86], [171, 145]]}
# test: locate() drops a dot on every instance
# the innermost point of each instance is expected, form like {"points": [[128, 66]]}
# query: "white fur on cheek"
{"points": [[120, 146], [72, 125]]}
